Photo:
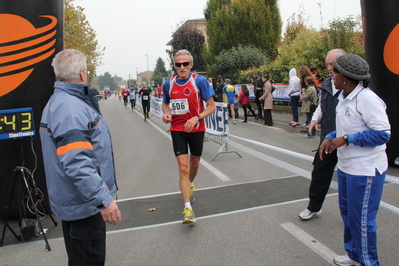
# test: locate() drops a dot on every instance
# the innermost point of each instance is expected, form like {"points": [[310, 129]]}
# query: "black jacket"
{"points": [[328, 104]]}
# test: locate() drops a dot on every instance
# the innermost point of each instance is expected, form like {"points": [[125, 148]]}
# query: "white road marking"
{"points": [[310, 241]]}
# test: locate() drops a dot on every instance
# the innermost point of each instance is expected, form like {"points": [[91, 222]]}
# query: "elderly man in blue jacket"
{"points": [[78, 161]]}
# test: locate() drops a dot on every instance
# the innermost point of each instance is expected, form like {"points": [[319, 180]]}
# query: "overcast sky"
{"points": [[132, 29]]}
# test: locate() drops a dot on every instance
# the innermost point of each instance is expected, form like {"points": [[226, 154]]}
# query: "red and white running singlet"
{"points": [[185, 102]]}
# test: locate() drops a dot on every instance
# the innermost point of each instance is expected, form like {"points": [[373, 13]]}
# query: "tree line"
{"points": [[241, 37]]}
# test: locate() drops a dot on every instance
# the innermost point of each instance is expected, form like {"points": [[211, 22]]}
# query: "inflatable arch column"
{"points": [[32, 32], [381, 30]]}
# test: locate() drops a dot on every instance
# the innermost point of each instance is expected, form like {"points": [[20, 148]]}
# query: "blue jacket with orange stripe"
{"points": [[77, 153]]}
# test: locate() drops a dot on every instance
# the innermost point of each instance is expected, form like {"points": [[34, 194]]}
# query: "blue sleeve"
{"points": [[204, 87], [331, 135], [370, 138], [165, 94]]}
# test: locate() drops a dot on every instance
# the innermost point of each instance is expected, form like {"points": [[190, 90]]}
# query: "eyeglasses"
{"points": [[184, 64]]}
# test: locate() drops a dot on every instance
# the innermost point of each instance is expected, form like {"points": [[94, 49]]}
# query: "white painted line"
{"points": [[271, 160], [274, 148], [392, 179], [215, 171], [310, 241], [207, 165]]}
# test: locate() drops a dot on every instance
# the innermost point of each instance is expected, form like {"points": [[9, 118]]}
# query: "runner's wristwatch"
{"points": [[346, 138], [199, 117]]}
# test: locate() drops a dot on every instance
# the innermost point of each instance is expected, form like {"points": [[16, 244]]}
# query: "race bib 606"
{"points": [[179, 106]]}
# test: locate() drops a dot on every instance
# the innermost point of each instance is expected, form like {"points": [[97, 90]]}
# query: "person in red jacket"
{"points": [[245, 102], [125, 94]]}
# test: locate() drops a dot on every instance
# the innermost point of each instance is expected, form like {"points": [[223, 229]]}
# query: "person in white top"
{"points": [[362, 129], [294, 92]]}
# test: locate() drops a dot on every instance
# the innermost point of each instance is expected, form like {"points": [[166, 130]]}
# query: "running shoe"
{"points": [[234, 121], [189, 216], [192, 197], [145, 119], [306, 214], [345, 261]]}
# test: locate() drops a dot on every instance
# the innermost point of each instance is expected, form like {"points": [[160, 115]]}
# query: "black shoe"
{"points": [[245, 121]]}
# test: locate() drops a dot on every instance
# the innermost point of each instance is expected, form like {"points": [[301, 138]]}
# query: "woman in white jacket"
{"points": [[362, 129], [294, 91]]}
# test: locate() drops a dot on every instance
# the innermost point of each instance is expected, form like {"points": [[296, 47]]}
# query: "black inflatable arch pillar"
{"points": [[381, 29], [32, 32]]}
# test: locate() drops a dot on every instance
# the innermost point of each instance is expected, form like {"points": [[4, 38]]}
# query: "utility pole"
{"points": [[321, 18], [148, 72]]}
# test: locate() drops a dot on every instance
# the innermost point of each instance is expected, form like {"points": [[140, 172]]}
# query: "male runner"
{"points": [[183, 107]]}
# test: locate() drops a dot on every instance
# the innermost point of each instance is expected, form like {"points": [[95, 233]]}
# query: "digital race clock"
{"points": [[16, 123]]}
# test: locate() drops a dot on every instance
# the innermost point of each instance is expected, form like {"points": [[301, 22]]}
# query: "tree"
{"points": [[345, 33], [80, 35], [159, 71], [310, 46], [107, 80], [246, 22], [295, 24], [230, 61], [306, 49], [118, 80], [190, 38]]}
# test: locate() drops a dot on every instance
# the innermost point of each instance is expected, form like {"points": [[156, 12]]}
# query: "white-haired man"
{"points": [[78, 161]]}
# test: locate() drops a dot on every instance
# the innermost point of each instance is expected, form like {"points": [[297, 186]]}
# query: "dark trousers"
{"points": [[259, 106], [268, 117], [133, 103], [308, 120], [244, 107], [85, 241], [236, 111], [321, 178], [146, 107], [294, 100]]}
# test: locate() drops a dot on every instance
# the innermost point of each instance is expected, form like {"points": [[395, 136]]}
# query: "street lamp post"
{"points": [[148, 71]]}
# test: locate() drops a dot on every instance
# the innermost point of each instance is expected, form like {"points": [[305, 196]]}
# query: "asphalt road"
{"points": [[247, 208]]}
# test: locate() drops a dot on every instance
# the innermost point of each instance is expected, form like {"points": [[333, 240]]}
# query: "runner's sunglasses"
{"points": [[184, 64]]}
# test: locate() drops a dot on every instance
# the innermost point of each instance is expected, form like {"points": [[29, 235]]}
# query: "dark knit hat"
{"points": [[352, 66]]}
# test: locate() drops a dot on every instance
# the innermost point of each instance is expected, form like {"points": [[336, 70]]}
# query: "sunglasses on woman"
{"points": [[184, 64]]}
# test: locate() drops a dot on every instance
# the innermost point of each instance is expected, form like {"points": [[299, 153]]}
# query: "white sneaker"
{"points": [[306, 214], [234, 121], [345, 261]]}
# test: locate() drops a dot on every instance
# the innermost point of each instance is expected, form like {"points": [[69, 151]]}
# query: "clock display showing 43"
{"points": [[15, 123]]}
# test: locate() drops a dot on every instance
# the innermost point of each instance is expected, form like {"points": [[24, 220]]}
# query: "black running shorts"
{"points": [[183, 140]]}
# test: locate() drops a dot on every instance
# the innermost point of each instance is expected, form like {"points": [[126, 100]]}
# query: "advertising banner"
{"points": [[216, 123], [279, 94]]}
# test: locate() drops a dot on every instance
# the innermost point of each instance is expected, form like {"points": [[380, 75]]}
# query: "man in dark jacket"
{"points": [[258, 91], [325, 114]]}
